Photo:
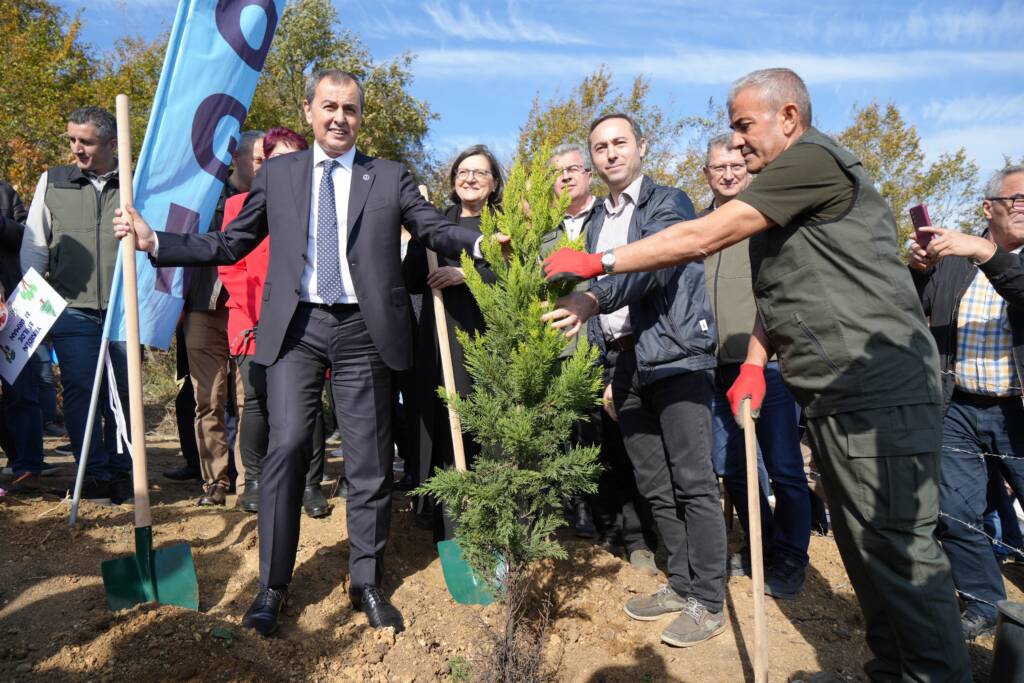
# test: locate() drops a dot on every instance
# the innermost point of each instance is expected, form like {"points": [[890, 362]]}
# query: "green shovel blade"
{"points": [[463, 583], [166, 575]]}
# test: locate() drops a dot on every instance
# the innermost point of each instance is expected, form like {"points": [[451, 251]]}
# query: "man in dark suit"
{"points": [[334, 298]]}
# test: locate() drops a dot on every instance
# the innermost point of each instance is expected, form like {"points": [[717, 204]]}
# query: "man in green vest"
{"points": [[69, 239], [836, 304]]}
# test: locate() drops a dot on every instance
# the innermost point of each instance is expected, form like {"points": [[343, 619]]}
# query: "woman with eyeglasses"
{"points": [[476, 181]]}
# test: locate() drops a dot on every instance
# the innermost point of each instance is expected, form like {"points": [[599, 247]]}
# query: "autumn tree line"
{"points": [[48, 70]]}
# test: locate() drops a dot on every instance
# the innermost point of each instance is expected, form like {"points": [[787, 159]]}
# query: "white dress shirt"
{"points": [[574, 224], [342, 177], [615, 233]]}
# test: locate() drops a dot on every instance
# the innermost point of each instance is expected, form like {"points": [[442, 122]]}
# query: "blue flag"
{"points": [[214, 57]]}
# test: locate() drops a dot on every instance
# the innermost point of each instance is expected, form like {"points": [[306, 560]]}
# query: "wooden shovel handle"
{"points": [[447, 369], [756, 552], [130, 298]]}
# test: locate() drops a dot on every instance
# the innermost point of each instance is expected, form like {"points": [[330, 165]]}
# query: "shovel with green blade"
{"points": [[464, 585], [166, 575]]}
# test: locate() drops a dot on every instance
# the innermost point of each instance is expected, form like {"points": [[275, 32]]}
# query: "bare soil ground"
{"points": [[55, 624]]}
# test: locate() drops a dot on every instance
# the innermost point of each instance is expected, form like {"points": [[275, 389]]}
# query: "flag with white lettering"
{"points": [[214, 57]]}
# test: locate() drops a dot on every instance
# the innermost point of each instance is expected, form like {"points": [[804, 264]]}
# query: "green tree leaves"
{"points": [[524, 400], [890, 150]]}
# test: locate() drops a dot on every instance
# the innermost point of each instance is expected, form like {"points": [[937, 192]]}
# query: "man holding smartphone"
{"points": [[836, 303], [972, 289]]}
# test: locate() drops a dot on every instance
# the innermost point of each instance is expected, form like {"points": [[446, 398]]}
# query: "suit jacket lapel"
{"points": [[362, 181], [302, 185]]}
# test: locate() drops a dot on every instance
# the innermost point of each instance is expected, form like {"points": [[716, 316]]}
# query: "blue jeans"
{"points": [[76, 336], [1000, 517], [976, 426], [47, 382], [24, 421], [787, 531]]}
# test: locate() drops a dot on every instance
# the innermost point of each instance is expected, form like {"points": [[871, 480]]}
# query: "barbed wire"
{"points": [[970, 596], [1015, 551], [982, 454]]}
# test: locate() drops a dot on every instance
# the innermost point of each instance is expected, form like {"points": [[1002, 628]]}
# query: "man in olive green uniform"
{"points": [[838, 307]]}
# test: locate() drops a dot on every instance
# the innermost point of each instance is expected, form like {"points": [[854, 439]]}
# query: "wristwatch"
{"points": [[608, 262]]}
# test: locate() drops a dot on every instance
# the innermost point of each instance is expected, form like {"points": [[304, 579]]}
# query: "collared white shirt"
{"points": [[342, 177], [574, 223], [615, 233]]}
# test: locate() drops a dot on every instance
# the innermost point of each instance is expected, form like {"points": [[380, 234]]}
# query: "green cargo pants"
{"points": [[880, 468]]}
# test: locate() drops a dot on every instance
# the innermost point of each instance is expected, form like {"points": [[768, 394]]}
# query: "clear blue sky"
{"points": [[954, 68]]}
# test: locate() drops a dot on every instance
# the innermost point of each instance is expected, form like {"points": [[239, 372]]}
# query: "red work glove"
{"points": [[749, 384], [570, 265]]}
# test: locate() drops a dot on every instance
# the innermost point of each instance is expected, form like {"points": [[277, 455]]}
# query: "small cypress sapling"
{"points": [[525, 399]]}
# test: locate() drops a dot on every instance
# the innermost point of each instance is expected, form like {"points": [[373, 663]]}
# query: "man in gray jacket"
{"points": [[69, 239], [658, 332]]}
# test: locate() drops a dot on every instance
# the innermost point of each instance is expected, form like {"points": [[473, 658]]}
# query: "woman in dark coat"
{"points": [[476, 181]]}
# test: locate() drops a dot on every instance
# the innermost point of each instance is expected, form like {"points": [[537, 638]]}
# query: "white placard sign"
{"points": [[32, 309]]}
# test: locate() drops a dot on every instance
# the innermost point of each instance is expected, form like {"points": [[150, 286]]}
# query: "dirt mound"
{"points": [[55, 624]]}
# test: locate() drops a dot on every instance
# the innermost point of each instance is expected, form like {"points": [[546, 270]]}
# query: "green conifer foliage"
{"points": [[524, 401]]}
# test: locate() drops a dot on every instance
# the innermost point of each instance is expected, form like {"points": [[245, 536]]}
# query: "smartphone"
{"points": [[919, 217]]}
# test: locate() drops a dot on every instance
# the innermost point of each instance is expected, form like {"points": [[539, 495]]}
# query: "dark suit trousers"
{"points": [[361, 386], [666, 426]]}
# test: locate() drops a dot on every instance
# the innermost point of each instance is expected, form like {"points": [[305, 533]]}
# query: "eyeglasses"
{"points": [[464, 173], [719, 169], [573, 169], [1016, 201]]}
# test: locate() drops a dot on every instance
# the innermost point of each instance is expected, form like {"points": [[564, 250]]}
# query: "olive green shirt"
{"points": [[805, 181], [836, 299]]}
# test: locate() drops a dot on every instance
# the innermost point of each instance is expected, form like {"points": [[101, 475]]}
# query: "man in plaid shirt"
{"points": [[972, 289]]}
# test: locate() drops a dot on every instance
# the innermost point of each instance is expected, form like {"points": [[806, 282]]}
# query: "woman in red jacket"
{"points": [[244, 284]]}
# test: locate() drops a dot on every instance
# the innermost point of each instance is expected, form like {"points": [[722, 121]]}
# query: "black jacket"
{"points": [[382, 199], [12, 227], [669, 308], [943, 286]]}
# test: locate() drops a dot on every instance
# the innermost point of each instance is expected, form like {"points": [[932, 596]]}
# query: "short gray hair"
{"points": [[722, 140], [994, 187], [247, 140], [103, 120], [569, 148], [335, 76], [778, 87]]}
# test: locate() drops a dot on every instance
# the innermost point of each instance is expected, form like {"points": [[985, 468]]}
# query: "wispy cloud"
{"points": [[384, 22], [469, 23], [711, 65], [958, 25], [986, 144], [976, 109]]}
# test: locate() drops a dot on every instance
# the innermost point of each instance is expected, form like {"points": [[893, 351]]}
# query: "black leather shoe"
{"points": [[122, 489], [582, 521], [215, 495], [406, 483], [249, 501], [314, 502], [379, 612], [343, 489], [263, 613], [183, 473]]}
